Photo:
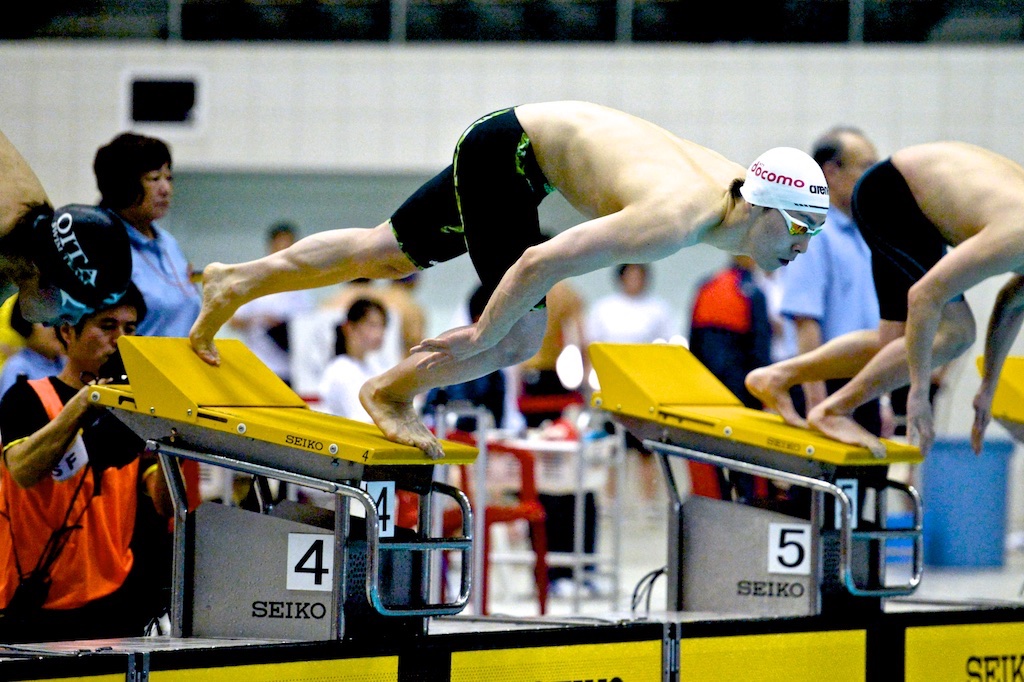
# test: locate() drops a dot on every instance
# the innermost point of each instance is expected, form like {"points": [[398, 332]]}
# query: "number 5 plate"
{"points": [[789, 548]]}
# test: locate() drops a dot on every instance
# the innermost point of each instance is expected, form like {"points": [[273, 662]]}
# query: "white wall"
{"points": [[382, 108]]}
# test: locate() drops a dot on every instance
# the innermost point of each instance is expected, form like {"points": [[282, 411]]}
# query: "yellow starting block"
{"points": [[662, 394], [241, 407], [241, 416]]}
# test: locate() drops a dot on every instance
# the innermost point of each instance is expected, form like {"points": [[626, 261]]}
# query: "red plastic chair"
{"points": [[704, 481], [527, 507]]}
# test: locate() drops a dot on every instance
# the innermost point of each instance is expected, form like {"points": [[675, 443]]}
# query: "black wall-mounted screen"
{"points": [[163, 101]]}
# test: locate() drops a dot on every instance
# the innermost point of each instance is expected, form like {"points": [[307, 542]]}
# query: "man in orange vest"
{"points": [[69, 489]]}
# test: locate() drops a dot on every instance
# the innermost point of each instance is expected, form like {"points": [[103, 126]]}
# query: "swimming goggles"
{"points": [[798, 227]]}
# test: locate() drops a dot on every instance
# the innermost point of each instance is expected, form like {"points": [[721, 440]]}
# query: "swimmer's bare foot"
{"points": [[219, 304], [845, 430], [768, 385], [398, 420]]}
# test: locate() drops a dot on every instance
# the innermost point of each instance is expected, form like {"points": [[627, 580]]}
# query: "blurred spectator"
{"points": [[133, 173], [729, 328], [730, 333], [542, 396], [397, 295], [361, 333], [42, 355], [263, 323], [783, 329], [406, 318], [633, 315], [135, 180], [830, 290]]}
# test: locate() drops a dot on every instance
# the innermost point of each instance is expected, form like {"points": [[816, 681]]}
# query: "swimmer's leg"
{"points": [[318, 260], [886, 371], [841, 357]]}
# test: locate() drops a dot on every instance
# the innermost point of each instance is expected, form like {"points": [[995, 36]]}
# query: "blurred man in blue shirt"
{"points": [[830, 290]]}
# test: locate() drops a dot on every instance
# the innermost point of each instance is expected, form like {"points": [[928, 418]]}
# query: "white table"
{"points": [[578, 559]]}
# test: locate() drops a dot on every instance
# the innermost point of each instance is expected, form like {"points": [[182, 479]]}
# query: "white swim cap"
{"points": [[786, 178]]}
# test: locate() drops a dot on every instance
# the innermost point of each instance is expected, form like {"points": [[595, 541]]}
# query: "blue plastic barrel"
{"points": [[964, 498]]}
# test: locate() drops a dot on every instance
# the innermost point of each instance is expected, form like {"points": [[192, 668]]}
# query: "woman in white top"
{"points": [[632, 314], [359, 335]]}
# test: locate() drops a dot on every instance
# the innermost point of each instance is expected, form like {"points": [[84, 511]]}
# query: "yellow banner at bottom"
{"points": [[374, 669], [785, 657], [623, 661], [993, 652]]}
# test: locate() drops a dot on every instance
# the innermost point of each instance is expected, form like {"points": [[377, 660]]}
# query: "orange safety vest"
{"points": [[96, 559], [720, 304]]}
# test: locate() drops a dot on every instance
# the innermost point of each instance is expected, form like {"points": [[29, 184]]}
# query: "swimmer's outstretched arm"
{"points": [[994, 250], [19, 186], [630, 235], [1003, 327]]}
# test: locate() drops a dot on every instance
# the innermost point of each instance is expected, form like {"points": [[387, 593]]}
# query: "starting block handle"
{"points": [[847, 534], [464, 543]]}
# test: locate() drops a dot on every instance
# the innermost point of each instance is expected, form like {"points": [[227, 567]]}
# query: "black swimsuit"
{"points": [[484, 203], [904, 243]]}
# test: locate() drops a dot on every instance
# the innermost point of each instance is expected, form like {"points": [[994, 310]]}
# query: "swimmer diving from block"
{"points": [[646, 194], [910, 208]]}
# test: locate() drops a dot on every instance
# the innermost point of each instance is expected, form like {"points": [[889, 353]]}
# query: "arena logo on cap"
{"points": [[66, 241]]}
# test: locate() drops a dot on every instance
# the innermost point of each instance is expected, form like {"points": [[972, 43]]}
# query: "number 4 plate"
{"points": [[383, 494], [310, 561]]}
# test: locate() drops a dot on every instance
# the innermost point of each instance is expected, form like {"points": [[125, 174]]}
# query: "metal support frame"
{"points": [[577, 558], [847, 534], [425, 543]]}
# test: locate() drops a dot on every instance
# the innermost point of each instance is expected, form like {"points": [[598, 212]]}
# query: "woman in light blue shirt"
{"points": [[133, 173]]}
